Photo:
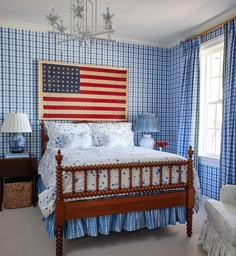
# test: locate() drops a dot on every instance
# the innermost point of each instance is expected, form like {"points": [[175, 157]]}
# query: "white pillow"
{"points": [[99, 129], [79, 141], [55, 130], [118, 139]]}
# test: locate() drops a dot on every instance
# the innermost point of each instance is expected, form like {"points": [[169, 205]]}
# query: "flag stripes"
{"points": [[83, 108], [102, 100], [112, 86], [84, 117], [102, 92], [105, 70], [102, 77]]}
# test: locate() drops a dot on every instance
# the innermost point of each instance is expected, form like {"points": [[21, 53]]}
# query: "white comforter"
{"points": [[102, 155]]}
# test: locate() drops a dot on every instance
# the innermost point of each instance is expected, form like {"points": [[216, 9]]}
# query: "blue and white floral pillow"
{"points": [[118, 139], [56, 130], [121, 128], [78, 141]]}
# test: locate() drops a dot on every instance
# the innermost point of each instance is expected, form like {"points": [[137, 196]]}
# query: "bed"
{"points": [[100, 174]]}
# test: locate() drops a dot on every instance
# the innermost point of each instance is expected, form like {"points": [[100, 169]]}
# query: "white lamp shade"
{"points": [[16, 123]]}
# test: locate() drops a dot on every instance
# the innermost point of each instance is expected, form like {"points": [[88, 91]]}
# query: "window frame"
{"points": [[206, 49]]}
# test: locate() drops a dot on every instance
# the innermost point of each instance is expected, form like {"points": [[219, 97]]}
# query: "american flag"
{"points": [[82, 92]]}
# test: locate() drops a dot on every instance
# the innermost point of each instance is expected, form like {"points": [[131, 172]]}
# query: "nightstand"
{"points": [[19, 167]]}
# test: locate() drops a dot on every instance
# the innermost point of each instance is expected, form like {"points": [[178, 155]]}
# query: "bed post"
{"points": [[59, 207], [42, 138], [190, 193]]}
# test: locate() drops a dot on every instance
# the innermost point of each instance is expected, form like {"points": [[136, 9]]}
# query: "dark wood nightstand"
{"points": [[19, 167]]}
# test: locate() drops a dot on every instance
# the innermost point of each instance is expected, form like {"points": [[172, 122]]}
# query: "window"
{"points": [[211, 98]]}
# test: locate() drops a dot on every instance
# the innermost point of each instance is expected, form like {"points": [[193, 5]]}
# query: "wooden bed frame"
{"points": [[89, 208]]}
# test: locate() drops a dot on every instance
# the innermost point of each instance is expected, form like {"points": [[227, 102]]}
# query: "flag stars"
{"points": [[64, 79]]}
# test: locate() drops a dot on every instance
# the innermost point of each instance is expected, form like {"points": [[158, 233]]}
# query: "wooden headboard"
{"points": [[44, 138]]}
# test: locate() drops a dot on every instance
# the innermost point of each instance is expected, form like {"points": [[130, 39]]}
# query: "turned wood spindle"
{"points": [[59, 202], [59, 158], [189, 222], [179, 174], [170, 174], [97, 180], [151, 176], [59, 241], [130, 177], [73, 182], [85, 181], [108, 179], [141, 177], [160, 175], [189, 191], [120, 180], [42, 138]]}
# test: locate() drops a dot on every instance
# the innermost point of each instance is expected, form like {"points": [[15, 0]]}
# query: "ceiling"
{"points": [[155, 22]]}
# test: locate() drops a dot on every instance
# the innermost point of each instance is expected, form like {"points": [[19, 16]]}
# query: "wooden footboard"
{"points": [[183, 195]]}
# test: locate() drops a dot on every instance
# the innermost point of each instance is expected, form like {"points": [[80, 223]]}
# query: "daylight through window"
{"points": [[211, 98]]}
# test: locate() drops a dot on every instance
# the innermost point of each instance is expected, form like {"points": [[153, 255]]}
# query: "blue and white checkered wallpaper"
{"points": [[209, 177], [154, 82], [20, 50]]}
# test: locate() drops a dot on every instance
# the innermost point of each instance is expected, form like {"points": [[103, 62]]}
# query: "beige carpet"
{"points": [[22, 233]]}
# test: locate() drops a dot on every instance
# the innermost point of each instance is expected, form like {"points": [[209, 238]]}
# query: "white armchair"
{"points": [[218, 233], [228, 194]]}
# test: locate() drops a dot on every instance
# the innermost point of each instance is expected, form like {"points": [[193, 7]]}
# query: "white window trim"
{"points": [[209, 159], [213, 42]]}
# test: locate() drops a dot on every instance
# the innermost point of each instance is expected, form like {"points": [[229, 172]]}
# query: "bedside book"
{"points": [[16, 155]]}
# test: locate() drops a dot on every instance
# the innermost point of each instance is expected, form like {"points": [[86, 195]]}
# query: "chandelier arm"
{"points": [[83, 27], [103, 32], [60, 33], [82, 39], [92, 35]]}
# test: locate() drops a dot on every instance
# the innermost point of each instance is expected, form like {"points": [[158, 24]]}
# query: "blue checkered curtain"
{"points": [[189, 100], [228, 145]]}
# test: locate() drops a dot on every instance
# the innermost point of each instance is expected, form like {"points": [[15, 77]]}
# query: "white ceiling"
{"points": [[154, 22]]}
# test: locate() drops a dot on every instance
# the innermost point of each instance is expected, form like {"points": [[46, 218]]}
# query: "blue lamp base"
{"points": [[17, 143]]}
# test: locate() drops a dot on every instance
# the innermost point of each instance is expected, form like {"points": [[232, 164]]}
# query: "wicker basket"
{"points": [[17, 195]]}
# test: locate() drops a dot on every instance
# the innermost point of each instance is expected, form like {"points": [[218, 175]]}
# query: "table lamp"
{"points": [[146, 123], [16, 123]]}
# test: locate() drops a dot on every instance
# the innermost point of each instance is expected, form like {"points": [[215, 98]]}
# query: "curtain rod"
{"points": [[211, 29]]}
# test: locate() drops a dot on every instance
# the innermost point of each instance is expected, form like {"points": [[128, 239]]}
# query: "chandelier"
{"points": [[83, 22]]}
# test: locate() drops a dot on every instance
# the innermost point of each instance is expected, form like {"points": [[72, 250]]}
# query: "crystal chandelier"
{"points": [[83, 25]]}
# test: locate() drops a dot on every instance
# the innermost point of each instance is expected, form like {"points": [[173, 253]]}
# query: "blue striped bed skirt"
{"points": [[93, 226]]}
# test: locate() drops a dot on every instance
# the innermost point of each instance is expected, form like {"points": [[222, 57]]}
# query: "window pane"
{"points": [[210, 141], [215, 89], [208, 66], [211, 98], [221, 89], [221, 62], [208, 90], [219, 116], [215, 64], [218, 141], [211, 114]]}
